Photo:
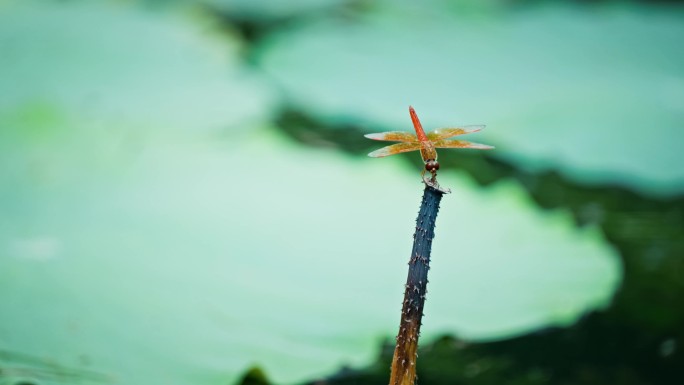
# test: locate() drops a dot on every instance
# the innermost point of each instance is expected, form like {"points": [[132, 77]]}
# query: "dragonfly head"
{"points": [[431, 165]]}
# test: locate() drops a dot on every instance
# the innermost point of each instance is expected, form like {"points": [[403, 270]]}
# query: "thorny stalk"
{"points": [[405, 352]]}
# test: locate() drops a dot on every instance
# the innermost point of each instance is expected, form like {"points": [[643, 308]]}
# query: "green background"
{"points": [[185, 192]]}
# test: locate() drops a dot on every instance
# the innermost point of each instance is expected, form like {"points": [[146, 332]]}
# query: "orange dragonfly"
{"points": [[427, 144]]}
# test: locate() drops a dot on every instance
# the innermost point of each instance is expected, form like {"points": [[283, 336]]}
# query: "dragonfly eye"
{"points": [[432, 165]]}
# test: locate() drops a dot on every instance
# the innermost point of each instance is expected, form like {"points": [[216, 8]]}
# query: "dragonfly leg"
{"points": [[432, 181]]}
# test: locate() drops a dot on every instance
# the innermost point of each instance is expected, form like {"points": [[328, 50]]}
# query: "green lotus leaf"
{"points": [[593, 93]]}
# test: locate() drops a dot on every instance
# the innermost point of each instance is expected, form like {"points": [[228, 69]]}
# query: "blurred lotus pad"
{"points": [[595, 95]]}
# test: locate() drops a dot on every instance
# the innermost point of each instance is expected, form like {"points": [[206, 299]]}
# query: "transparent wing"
{"points": [[461, 144], [395, 149], [448, 132], [393, 136]]}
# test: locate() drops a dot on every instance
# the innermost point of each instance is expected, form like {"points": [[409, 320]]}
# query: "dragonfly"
{"points": [[427, 144]]}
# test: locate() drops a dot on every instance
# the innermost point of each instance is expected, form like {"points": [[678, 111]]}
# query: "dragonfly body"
{"points": [[427, 148], [427, 144]]}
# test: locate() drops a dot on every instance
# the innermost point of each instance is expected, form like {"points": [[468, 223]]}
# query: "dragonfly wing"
{"points": [[460, 144], [448, 132], [395, 149], [393, 136]]}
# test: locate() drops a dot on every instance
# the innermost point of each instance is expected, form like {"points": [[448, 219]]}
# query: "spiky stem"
{"points": [[405, 353]]}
